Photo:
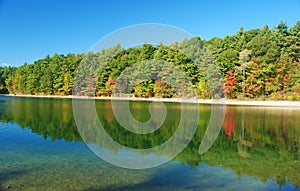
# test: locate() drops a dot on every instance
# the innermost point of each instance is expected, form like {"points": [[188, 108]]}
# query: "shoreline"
{"points": [[175, 100]]}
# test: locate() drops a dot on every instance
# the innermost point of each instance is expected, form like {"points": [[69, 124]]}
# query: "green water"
{"points": [[41, 149]]}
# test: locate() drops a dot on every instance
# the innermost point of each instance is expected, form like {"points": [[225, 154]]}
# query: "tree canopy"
{"points": [[254, 64]]}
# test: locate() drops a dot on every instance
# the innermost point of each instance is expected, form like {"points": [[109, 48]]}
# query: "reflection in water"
{"points": [[258, 142], [229, 126], [229, 122]]}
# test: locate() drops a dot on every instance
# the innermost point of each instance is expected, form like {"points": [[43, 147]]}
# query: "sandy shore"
{"points": [[201, 101]]}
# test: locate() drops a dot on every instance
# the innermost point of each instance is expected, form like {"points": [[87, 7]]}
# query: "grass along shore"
{"points": [[200, 101]]}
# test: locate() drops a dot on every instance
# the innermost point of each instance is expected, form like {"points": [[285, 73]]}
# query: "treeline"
{"points": [[260, 63], [5, 73], [255, 64], [50, 75]]}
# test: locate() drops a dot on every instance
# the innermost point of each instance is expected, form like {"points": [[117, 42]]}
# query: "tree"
{"points": [[254, 83], [6, 75], [68, 82], [162, 89], [282, 28], [244, 57], [144, 89], [110, 86], [230, 84]]}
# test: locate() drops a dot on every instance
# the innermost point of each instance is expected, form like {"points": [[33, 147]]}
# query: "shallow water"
{"points": [[41, 149]]}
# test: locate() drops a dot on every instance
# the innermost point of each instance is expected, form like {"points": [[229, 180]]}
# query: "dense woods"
{"points": [[255, 64]]}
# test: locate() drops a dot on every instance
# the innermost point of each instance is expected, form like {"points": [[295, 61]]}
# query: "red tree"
{"points": [[230, 84]]}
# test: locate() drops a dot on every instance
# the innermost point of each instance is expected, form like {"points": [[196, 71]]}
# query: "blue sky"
{"points": [[31, 29]]}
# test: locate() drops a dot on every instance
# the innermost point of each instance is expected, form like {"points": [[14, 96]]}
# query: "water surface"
{"points": [[41, 149]]}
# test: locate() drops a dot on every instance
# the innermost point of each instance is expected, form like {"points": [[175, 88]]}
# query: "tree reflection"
{"points": [[259, 142], [229, 122]]}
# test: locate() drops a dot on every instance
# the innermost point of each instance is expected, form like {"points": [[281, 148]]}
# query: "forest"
{"points": [[261, 64]]}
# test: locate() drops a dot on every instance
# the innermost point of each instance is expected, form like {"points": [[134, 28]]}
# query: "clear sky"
{"points": [[31, 29]]}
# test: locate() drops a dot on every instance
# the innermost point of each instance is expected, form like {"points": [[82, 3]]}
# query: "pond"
{"points": [[41, 149]]}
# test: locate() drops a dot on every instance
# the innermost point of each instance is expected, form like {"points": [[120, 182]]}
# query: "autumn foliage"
{"points": [[230, 84]]}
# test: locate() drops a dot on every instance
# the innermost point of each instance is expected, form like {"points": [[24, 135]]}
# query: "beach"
{"points": [[200, 101]]}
